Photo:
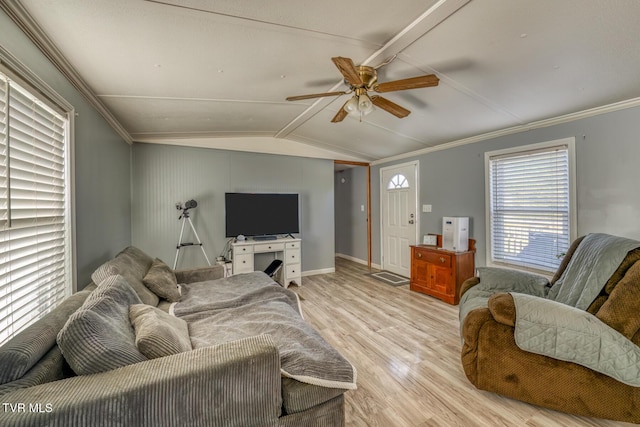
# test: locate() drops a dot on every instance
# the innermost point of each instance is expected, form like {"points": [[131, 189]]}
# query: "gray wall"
{"points": [[607, 153], [102, 164], [164, 175], [351, 221]]}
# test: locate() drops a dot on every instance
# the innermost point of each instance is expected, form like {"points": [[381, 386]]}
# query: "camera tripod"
{"points": [[186, 218]]}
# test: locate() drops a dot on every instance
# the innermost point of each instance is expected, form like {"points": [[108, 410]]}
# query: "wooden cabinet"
{"points": [[440, 273]]}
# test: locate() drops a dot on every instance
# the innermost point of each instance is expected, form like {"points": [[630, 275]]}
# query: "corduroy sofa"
{"points": [[46, 378], [493, 359]]}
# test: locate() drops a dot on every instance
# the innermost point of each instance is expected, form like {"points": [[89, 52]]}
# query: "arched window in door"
{"points": [[398, 181]]}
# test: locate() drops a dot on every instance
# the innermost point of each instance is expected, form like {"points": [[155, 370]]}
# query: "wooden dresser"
{"points": [[440, 273]]}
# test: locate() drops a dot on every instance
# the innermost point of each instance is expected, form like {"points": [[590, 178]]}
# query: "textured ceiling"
{"points": [[217, 73]]}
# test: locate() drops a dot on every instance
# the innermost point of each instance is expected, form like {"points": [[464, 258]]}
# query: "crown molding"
{"points": [[17, 12], [622, 105], [18, 72]]}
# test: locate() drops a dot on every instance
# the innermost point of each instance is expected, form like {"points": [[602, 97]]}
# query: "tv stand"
{"points": [[285, 249]]}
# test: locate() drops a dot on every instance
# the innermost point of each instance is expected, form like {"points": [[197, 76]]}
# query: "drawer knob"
{"points": [[442, 259], [419, 255]]}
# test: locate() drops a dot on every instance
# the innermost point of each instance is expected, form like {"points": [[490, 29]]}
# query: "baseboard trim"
{"points": [[358, 260], [320, 271]]}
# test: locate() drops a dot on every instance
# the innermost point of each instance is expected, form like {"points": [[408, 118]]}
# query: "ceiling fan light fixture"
{"points": [[365, 105], [359, 105], [351, 106]]}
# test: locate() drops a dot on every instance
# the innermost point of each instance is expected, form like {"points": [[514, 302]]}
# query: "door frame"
{"points": [[416, 165], [368, 166]]}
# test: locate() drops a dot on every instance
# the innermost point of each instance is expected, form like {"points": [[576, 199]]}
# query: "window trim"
{"points": [[573, 214]]}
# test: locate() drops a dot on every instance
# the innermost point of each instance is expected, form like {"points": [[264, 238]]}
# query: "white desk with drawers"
{"points": [[286, 249]]}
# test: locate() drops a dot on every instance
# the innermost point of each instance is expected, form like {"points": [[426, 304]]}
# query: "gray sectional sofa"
{"points": [[136, 349]]}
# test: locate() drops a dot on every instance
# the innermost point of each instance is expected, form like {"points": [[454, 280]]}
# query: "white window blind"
{"points": [[33, 214], [529, 212]]}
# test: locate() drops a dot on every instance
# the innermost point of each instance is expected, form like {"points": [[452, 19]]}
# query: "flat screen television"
{"points": [[261, 214]]}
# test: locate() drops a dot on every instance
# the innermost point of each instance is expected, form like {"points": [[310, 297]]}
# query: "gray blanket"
{"points": [[493, 280], [560, 327], [594, 261], [252, 304], [566, 333]]}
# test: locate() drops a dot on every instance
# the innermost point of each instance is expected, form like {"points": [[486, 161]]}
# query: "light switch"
{"points": [[361, 208], [426, 208]]}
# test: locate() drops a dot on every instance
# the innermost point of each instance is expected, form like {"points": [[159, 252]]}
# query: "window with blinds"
{"points": [[529, 212], [34, 248]]}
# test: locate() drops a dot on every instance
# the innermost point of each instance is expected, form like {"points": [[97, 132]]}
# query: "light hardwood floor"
{"points": [[406, 348]]}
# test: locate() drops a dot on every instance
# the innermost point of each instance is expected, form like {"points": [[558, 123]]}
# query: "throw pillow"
{"points": [[161, 280], [132, 264], [99, 337], [158, 334]]}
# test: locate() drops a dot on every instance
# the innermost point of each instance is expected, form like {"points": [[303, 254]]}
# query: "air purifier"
{"points": [[455, 233]]}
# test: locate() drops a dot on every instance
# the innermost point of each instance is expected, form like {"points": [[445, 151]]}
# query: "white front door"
{"points": [[398, 195]]}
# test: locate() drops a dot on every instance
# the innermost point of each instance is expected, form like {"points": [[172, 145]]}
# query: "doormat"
{"points": [[389, 278]]}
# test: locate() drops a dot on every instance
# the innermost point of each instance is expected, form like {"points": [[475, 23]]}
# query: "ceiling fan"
{"points": [[361, 80]]}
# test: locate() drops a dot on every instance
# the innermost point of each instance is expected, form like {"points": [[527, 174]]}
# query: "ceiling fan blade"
{"points": [[390, 107], [314, 95], [348, 70], [404, 84], [340, 115]]}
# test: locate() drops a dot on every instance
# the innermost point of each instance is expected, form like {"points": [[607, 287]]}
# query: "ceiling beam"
{"points": [[253, 144], [405, 38]]}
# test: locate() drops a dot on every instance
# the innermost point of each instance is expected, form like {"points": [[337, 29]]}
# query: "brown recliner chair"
{"points": [[493, 361]]}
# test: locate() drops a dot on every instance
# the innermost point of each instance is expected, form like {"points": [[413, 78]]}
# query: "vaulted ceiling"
{"points": [[216, 73]]}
